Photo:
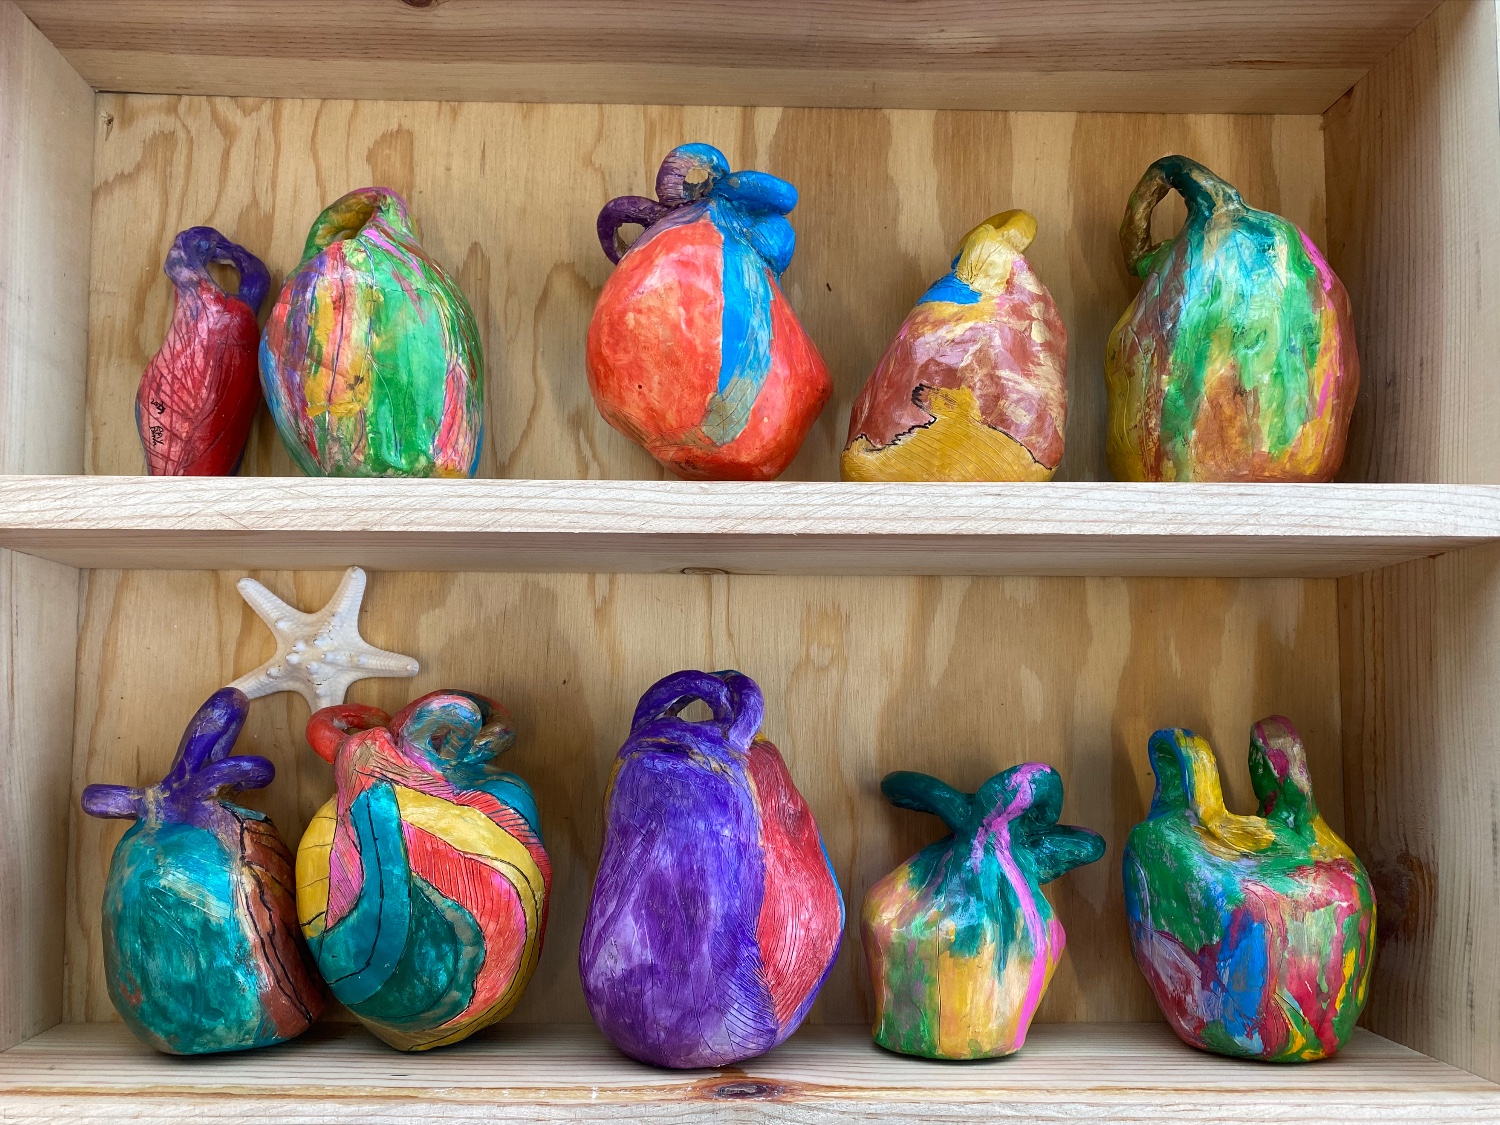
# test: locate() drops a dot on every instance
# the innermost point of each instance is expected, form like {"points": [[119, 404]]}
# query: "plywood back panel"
{"points": [[507, 197], [1413, 158], [957, 677]]}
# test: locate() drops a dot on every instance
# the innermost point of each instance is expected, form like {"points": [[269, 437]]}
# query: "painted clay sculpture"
{"points": [[201, 948], [371, 360], [975, 385], [693, 351], [422, 884], [960, 941], [715, 916], [1236, 361], [1256, 933], [318, 655], [199, 393]]}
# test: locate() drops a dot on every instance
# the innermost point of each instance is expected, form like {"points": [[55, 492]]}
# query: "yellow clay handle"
{"points": [[987, 253]]}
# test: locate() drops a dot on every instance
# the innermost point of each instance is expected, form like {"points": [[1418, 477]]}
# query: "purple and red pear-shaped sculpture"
{"points": [[715, 916], [199, 394]]}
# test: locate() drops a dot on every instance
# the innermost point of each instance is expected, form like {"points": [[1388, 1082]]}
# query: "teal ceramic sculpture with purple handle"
{"points": [[202, 951]]}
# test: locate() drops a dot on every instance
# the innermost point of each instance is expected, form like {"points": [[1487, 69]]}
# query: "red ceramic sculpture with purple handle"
{"points": [[200, 391]]}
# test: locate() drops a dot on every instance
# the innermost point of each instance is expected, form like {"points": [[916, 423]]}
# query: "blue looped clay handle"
{"points": [[753, 204]]}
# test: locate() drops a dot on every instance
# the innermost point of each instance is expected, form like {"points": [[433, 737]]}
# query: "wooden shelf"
{"points": [[779, 528], [1067, 1073], [1197, 56]]}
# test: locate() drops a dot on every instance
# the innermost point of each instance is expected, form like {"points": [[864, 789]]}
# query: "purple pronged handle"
{"points": [[688, 173], [202, 767]]}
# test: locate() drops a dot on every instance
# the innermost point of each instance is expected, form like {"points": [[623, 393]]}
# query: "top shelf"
{"points": [[785, 527], [1162, 56]]}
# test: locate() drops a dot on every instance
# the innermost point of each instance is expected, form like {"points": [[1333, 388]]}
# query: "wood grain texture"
{"points": [[1218, 55], [1077, 1073], [954, 677], [1422, 779], [781, 528], [46, 170], [1413, 157], [46, 158], [507, 197]]}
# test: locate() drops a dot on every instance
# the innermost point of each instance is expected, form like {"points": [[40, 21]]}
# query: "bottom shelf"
{"points": [[1067, 1073]]}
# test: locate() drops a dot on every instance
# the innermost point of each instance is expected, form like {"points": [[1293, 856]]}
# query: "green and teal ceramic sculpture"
{"points": [[960, 941], [1236, 360], [1256, 933], [370, 360], [201, 947]]}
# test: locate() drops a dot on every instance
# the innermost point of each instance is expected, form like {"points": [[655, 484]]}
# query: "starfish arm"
{"points": [[268, 679], [268, 607]]}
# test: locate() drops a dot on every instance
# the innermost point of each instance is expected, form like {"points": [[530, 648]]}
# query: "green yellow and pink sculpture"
{"points": [[1236, 361], [960, 941], [1256, 933], [371, 359]]}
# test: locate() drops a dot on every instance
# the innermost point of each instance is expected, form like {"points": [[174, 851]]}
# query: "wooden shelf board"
{"points": [[780, 528], [1067, 1072], [1277, 56]]}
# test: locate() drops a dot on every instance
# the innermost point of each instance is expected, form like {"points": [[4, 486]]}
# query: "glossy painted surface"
{"points": [[1236, 361], [201, 947], [199, 393], [715, 916], [693, 350], [975, 385], [371, 359], [422, 885], [960, 941], [1256, 933]]}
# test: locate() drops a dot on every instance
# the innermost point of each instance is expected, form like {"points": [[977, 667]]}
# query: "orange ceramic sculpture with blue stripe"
{"points": [[975, 385], [960, 941], [693, 351], [1256, 933], [422, 885]]}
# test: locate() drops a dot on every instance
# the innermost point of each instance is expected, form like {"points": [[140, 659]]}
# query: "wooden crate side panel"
{"points": [[1420, 646], [507, 197], [46, 175], [1413, 165], [46, 178], [38, 654], [957, 677]]}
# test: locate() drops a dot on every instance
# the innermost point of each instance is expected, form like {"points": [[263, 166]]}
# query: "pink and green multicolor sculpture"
{"points": [[715, 916], [201, 948], [960, 941], [371, 360], [1236, 361], [1256, 933]]}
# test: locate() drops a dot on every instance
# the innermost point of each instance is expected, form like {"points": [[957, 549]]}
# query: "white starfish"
{"points": [[317, 654]]}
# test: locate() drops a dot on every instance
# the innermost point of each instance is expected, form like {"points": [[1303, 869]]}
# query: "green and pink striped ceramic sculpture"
{"points": [[1236, 361], [960, 941]]}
